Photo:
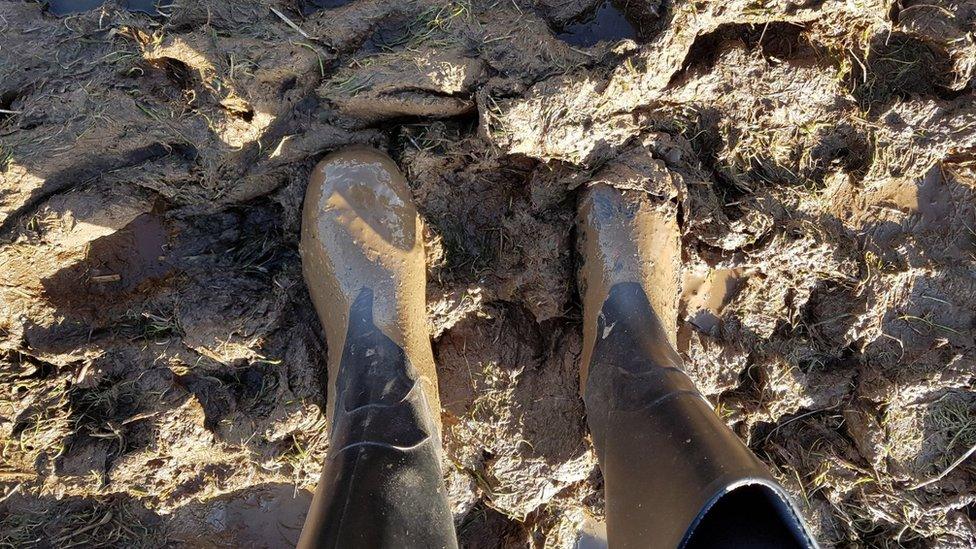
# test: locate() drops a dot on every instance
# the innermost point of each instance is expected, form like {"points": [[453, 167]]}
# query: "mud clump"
{"points": [[162, 361]]}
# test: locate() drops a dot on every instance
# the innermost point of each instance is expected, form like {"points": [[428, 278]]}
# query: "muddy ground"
{"points": [[160, 362]]}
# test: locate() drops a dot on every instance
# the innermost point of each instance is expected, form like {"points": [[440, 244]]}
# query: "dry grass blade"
{"points": [[290, 23], [947, 470]]}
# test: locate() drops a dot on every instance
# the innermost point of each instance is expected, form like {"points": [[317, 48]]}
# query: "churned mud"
{"points": [[161, 362]]}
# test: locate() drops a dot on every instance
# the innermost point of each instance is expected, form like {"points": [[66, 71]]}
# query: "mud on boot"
{"points": [[675, 474], [363, 261]]}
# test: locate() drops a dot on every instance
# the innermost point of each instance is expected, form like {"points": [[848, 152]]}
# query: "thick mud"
{"points": [[163, 365]]}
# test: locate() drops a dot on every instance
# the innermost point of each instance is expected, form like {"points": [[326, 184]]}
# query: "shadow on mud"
{"points": [[118, 270], [263, 515], [308, 7]]}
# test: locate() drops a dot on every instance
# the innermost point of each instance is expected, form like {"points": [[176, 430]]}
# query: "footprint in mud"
{"points": [[705, 295], [115, 267], [62, 8], [609, 21]]}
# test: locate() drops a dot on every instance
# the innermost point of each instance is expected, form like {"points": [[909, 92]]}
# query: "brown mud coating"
{"points": [[361, 230], [627, 236], [821, 151]]}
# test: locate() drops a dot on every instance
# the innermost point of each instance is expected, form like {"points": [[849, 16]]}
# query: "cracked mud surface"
{"points": [[162, 368]]}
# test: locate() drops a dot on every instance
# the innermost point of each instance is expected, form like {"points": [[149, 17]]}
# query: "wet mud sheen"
{"points": [[609, 21]]}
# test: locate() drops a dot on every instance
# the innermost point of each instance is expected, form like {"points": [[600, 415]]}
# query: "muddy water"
{"points": [[62, 8], [605, 23], [592, 535], [144, 6], [140, 253], [361, 230], [69, 7], [265, 516]]}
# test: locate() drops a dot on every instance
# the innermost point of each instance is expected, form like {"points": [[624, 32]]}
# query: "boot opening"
{"points": [[752, 516]]}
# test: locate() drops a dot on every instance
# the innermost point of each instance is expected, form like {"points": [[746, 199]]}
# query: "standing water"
{"points": [[63, 8], [605, 23], [69, 7]]}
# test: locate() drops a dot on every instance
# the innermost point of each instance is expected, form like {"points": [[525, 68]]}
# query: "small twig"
{"points": [[763, 34], [947, 470], [105, 519], [142, 416], [12, 491], [291, 23], [5, 111], [864, 69]]}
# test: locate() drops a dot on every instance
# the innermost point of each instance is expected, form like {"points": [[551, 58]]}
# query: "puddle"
{"points": [[114, 267], [389, 34], [270, 519], [61, 8], [70, 7], [308, 7], [704, 296], [135, 254], [606, 23], [149, 7]]}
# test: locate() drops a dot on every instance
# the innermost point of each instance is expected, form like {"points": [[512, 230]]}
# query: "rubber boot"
{"points": [[363, 262], [674, 474]]}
